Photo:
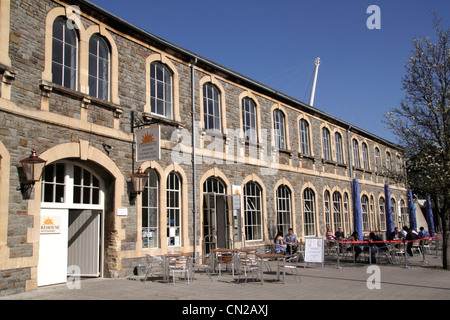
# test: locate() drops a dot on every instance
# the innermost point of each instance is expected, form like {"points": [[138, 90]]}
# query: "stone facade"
{"points": [[69, 125]]}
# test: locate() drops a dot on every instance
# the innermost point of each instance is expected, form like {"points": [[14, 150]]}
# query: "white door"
{"points": [[52, 265]]}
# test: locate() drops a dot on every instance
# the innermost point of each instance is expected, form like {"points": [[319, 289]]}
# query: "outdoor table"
{"points": [[278, 256]]}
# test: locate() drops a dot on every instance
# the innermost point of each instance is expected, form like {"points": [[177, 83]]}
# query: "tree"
{"points": [[422, 122]]}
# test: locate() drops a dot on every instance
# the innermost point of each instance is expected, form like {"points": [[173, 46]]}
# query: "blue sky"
{"points": [[276, 43]]}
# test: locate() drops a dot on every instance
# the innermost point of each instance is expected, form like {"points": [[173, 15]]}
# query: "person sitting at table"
{"points": [[410, 236], [376, 247], [290, 237], [395, 235], [280, 246], [339, 234], [356, 247], [329, 235]]}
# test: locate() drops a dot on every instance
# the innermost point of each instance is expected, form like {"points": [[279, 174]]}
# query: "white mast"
{"points": [[313, 92]]}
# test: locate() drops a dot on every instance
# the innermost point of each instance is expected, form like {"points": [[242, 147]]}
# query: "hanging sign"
{"points": [[148, 144], [50, 224]]}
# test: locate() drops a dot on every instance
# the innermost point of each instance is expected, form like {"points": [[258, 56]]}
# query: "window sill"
{"points": [[85, 98], [307, 157]]}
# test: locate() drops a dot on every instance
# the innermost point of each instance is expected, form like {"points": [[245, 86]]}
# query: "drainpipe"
{"points": [[194, 159]]}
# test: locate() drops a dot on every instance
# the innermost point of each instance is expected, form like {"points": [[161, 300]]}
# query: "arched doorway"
{"points": [[215, 215], [71, 222]]}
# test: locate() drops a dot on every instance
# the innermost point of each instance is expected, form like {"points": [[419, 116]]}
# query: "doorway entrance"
{"points": [[72, 222]]}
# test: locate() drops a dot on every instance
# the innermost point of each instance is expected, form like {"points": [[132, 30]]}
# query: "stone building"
{"points": [[77, 82]]}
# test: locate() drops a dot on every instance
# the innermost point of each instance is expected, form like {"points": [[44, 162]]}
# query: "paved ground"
{"points": [[420, 282]]}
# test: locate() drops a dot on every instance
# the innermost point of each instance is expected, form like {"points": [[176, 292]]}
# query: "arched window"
{"points": [[309, 215], [304, 137], [249, 119], [377, 160], [394, 212], [253, 211], [279, 126], [382, 220], [356, 162], [161, 90], [213, 185], [99, 68], [365, 154], [339, 150], [346, 213], [173, 210], [337, 210], [326, 144], [404, 213], [388, 161], [211, 108], [70, 184], [365, 212], [150, 211], [399, 165], [284, 213], [64, 54], [326, 202], [373, 224]]}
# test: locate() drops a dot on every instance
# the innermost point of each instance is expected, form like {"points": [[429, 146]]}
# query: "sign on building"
{"points": [[50, 224], [148, 144]]}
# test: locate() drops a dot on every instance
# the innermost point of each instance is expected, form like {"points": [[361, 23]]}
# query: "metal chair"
{"points": [[385, 253], [181, 264], [247, 265], [225, 258], [200, 263], [290, 263], [416, 248], [154, 263]]}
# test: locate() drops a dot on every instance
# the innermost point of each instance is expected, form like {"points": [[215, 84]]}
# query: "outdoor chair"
{"points": [[386, 253], [266, 261], [203, 263], [416, 248], [331, 248], [154, 263], [246, 266], [426, 245], [181, 265], [290, 264], [225, 258]]}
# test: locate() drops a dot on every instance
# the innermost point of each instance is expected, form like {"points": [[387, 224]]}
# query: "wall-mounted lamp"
{"points": [[139, 180], [32, 168]]}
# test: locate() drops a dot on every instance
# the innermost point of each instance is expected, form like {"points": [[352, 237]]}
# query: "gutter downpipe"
{"points": [[194, 158]]}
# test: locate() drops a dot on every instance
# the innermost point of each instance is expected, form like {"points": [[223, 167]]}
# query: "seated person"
{"points": [[280, 246], [395, 235], [375, 247], [329, 235], [290, 237], [423, 234], [356, 247], [339, 234]]}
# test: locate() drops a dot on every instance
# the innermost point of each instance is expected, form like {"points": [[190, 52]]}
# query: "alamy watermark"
{"points": [[374, 21], [233, 148], [374, 280]]}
